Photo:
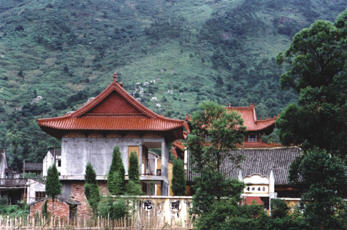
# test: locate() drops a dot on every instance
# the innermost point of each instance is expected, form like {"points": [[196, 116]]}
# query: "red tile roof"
{"points": [[250, 118], [112, 110]]}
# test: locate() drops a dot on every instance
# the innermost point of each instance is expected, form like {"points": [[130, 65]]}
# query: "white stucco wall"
{"points": [[77, 152]]}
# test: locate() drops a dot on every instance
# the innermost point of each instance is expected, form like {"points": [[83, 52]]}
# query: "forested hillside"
{"points": [[171, 54]]}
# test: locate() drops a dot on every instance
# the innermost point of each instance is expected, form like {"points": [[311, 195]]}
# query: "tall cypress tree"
{"points": [[91, 189], [53, 185], [178, 183], [116, 174], [134, 167], [134, 185]]}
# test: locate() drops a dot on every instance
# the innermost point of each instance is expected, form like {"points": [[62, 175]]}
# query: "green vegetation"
{"points": [[91, 189], [134, 167], [44, 210], [324, 175], [216, 198], [113, 208], [318, 71], [55, 55], [214, 133], [53, 185], [116, 174], [133, 187], [178, 183]]}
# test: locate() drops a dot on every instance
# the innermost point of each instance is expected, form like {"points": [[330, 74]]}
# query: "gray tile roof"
{"points": [[262, 161], [33, 166]]}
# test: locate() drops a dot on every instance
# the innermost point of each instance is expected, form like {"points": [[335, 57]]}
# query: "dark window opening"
{"points": [[40, 195], [252, 138]]}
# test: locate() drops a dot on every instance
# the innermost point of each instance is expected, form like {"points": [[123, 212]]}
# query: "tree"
{"points": [[53, 185], [178, 183], [317, 122], [317, 70], [116, 174], [133, 186], [133, 167], [324, 175], [116, 163], [91, 189], [214, 134]]}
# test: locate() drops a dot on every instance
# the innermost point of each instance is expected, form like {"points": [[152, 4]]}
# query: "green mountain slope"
{"points": [[170, 54]]}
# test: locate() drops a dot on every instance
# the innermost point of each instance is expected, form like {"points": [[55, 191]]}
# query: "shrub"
{"points": [[115, 208], [279, 208], [133, 167], [178, 179], [133, 188]]}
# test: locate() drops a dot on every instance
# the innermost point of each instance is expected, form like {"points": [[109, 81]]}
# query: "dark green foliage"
{"points": [[91, 189], [44, 210], [318, 71], [326, 182], [211, 186], [90, 175], [133, 188], [14, 210], [134, 167], [114, 208], [229, 214], [279, 208], [116, 174], [116, 163], [53, 185], [215, 132], [116, 183], [178, 183]]}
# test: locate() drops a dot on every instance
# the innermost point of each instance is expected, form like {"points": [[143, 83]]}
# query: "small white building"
{"points": [[53, 156], [36, 190]]}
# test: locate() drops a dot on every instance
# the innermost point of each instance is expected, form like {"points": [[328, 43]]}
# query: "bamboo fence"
{"points": [[149, 222]]}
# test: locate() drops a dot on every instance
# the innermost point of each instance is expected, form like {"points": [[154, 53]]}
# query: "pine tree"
{"points": [[53, 185], [90, 176], [116, 174], [91, 189], [178, 184], [134, 185], [116, 160], [133, 167]]}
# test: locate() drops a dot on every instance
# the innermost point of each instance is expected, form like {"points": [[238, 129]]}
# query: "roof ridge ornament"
{"points": [[115, 77]]}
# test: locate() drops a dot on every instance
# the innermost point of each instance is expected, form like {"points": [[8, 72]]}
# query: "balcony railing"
{"points": [[13, 182]]}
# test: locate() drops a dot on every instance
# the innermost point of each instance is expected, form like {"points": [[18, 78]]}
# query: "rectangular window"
{"points": [[59, 163], [39, 195], [252, 138]]}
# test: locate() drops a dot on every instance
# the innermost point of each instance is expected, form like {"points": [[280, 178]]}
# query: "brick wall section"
{"points": [[61, 209], [77, 194]]}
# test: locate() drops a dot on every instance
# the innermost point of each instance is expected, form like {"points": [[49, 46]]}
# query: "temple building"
{"points": [[113, 118], [255, 128], [265, 167]]}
